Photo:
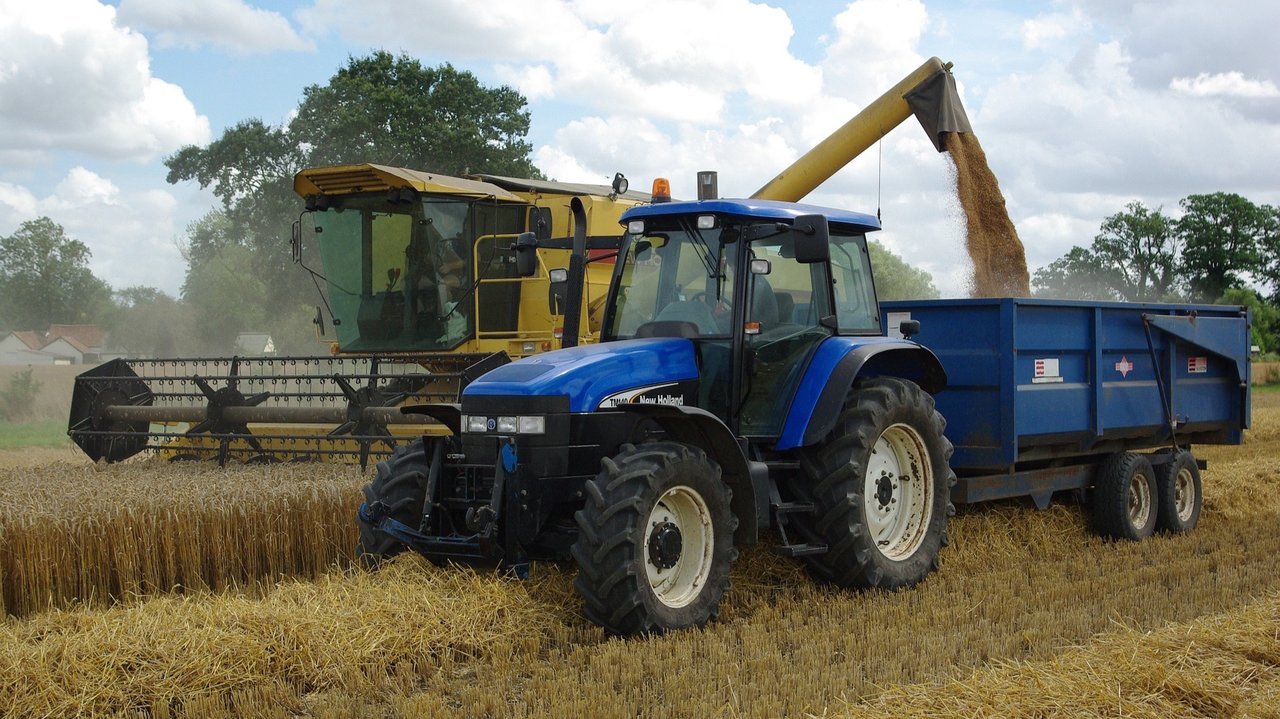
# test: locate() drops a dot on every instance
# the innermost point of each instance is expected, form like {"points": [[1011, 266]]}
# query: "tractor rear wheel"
{"points": [[1125, 497], [655, 540], [400, 487], [880, 485], [1178, 486]]}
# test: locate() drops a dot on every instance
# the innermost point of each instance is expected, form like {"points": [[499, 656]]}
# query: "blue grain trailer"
{"points": [[1050, 395], [745, 388]]}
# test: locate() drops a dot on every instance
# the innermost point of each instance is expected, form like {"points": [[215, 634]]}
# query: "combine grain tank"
{"points": [[1051, 395]]}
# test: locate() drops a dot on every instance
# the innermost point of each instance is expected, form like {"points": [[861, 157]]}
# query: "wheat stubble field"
{"points": [[169, 590]]}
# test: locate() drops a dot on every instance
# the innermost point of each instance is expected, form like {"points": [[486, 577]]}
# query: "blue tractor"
{"points": [[744, 383]]}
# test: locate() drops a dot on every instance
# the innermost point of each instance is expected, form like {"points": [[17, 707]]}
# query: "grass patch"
{"points": [[49, 433]]}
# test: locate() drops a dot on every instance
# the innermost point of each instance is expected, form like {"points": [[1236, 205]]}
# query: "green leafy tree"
{"points": [[18, 398], [1221, 235], [45, 278], [1269, 243], [1133, 258], [1077, 275], [393, 110], [1266, 317], [895, 279], [225, 297], [148, 322]]}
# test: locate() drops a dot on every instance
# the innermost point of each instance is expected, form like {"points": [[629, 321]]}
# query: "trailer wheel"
{"points": [[1178, 487], [655, 540], [400, 488], [1125, 497], [880, 485]]}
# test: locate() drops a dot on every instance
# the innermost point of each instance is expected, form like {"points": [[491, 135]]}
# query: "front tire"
{"points": [[655, 540], [400, 485], [880, 485]]}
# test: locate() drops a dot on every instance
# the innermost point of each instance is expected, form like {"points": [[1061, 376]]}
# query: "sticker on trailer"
{"points": [[1046, 371], [894, 321], [1197, 365], [1124, 367]]}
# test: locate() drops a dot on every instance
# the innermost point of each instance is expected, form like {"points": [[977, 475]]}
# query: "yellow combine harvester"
{"points": [[424, 294]]}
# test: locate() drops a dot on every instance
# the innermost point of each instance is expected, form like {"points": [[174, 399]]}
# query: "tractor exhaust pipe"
{"points": [[577, 275]]}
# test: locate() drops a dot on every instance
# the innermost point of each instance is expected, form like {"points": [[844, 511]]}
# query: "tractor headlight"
{"points": [[479, 424], [532, 425]]}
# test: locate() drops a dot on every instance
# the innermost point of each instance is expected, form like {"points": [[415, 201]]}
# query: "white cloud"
{"points": [[129, 233], [1224, 84], [1047, 30], [226, 23], [75, 81]]}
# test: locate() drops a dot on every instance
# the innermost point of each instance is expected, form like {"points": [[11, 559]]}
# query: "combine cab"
{"points": [[423, 290]]}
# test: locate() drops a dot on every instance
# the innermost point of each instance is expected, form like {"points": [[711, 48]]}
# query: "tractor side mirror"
{"points": [[812, 238], [909, 328], [526, 254], [559, 292]]}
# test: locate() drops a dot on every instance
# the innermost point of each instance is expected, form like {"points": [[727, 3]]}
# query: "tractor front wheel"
{"points": [[398, 491], [655, 540]]}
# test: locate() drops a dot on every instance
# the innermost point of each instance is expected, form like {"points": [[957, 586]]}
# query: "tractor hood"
{"points": [[595, 376]]}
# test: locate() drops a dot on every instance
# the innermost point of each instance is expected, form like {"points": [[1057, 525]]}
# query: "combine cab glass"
{"points": [[402, 275]]}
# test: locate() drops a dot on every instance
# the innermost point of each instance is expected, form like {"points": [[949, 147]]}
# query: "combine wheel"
{"points": [[399, 488], [655, 540], [880, 485], [1178, 487], [1125, 497]]}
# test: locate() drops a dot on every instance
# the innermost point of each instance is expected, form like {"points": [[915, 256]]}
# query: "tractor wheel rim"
{"points": [[898, 492], [1139, 501], [1184, 494], [677, 580]]}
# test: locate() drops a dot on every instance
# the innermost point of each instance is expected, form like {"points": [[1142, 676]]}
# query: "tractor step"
{"points": [[801, 550], [781, 508]]}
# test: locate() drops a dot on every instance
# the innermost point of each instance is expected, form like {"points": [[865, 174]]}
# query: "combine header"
{"points": [[259, 409]]}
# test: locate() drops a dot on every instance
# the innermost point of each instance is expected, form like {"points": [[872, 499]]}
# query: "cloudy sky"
{"points": [[1081, 105]]}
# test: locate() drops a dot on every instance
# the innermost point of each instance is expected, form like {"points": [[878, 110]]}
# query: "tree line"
{"points": [[1223, 248]]}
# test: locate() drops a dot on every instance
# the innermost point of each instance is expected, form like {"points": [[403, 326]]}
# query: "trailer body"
{"points": [[1040, 391]]}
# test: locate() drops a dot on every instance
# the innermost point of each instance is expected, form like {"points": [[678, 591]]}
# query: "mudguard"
{"points": [[835, 365], [701, 428]]}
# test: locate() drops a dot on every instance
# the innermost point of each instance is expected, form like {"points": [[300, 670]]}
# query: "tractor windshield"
{"points": [[676, 279]]}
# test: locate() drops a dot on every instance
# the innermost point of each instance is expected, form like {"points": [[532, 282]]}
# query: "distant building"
{"points": [[254, 344], [62, 344], [22, 348]]}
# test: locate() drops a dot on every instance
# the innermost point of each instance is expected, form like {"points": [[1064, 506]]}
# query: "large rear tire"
{"points": [[1178, 486], [1125, 497], [655, 540], [400, 485], [880, 485]]}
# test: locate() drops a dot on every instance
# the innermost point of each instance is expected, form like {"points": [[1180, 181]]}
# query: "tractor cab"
{"points": [[756, 285]]}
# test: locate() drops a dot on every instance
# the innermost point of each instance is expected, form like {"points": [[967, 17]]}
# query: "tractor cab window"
{"points": [[675, 280], [855, 294], [397, 273]]}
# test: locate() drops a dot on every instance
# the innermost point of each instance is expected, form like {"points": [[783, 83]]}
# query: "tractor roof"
{"points": [[757, 209]]}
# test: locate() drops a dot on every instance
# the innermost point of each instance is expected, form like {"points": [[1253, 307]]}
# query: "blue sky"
{"points": [[1082, 105]]}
